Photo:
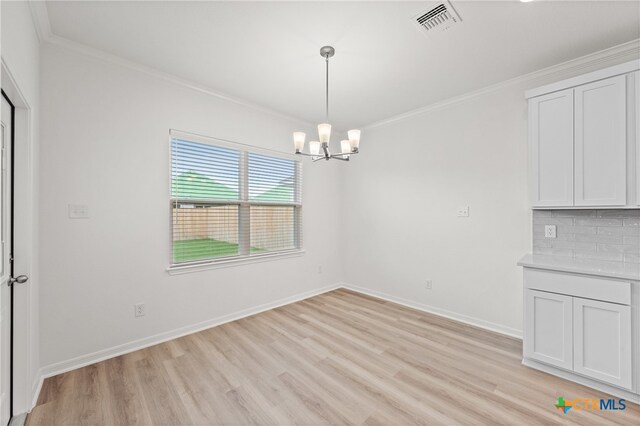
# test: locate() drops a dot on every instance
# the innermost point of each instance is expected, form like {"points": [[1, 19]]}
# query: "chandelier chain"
{"points": [[326, 59]]}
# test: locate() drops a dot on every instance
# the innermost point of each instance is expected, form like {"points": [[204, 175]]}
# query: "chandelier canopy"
{"points": [[319, 150]]}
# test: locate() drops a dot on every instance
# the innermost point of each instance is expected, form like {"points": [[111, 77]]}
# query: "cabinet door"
{"points": [[551, 149], [548, 328], [600, 143], [636, 117], [602, 341]]}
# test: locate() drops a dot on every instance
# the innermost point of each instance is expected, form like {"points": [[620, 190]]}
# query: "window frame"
{"points": [[244, 204]]}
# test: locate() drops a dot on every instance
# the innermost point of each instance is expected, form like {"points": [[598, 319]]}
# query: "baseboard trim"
{"points": [[36, 387], [476, 322], [104, 354], [585, 381]]}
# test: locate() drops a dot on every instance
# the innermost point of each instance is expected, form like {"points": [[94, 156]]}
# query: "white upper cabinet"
{"points": [[582, 141], [636, 116], [551, 149], [601, 143]]}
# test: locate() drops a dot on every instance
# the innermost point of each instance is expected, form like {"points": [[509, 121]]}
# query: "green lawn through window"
{"points": [[206, 248]]}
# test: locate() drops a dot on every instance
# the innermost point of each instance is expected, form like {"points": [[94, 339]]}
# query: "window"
{"points": [[230, 201]]}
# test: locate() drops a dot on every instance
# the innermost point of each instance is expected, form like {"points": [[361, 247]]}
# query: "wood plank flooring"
{"points": [[337, 358]]}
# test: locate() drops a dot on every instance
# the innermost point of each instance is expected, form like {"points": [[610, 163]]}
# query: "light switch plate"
{"points": [[550, 231], [78, 211], [463, 211]]}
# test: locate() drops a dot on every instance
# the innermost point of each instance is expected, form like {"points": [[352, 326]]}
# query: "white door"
{"points": [[601, 143], [5, 267], [548, 328], [551, 149], [602, 341]]}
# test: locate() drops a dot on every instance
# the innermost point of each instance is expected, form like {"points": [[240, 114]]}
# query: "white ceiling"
{"points": [[267, 52]]}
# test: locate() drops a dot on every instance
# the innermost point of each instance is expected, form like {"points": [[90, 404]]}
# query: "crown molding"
{"points": [[40, 17], [600, 74], [42, 25], [612, 56], [101, 55]]}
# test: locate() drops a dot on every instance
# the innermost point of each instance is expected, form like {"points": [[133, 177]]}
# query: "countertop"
{"points": [[627, 271]]}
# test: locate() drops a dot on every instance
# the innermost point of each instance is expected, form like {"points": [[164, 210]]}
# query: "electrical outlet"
{"points": [[428, 285], [550, 231], [463, 211], [139, 309]]}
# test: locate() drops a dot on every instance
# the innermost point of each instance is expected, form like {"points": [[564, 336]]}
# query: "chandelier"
{"points": [[319, 150]]}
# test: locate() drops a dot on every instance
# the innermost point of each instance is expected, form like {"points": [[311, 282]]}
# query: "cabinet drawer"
{"points": [[579, 285]]}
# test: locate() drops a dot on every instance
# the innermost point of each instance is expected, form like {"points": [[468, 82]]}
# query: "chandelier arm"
{"points": [[339, 157], [325, 149], [345, 153]]}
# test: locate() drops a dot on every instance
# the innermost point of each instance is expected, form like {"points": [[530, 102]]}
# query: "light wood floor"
{"points": [[337, 358]]}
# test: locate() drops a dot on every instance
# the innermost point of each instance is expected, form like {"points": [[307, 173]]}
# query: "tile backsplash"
{"points": [[589, 234]]}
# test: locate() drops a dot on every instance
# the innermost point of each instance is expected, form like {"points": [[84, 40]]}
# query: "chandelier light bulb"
{"points": [[354, 138], [314, 148], [324, 132], [298, 141], [345, 146]]}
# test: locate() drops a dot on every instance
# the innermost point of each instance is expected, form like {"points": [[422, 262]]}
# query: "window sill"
{"points": [[217, 264]]}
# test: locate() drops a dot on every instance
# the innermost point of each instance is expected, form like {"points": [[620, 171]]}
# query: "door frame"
{"points": [[12, 144], [25, 362]]}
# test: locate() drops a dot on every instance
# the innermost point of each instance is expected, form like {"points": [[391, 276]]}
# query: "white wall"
{"points": [[385, 222], [20, 55], [105, 143], [402, 196]]}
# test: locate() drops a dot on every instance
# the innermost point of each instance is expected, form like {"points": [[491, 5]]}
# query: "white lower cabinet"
{"points": [[548, 322], [565, 327], [602, 341]]}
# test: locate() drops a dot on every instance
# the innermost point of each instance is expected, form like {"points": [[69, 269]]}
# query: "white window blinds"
{"points": [[230, 202]]}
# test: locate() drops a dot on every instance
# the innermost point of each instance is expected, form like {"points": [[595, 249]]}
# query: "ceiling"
{"points": [[267, 52]]}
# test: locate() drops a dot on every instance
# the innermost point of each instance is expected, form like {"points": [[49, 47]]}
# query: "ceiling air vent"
{"points": [[439, 18]]}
